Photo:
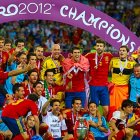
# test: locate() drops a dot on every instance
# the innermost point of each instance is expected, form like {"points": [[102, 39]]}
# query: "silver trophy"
{"points": [[81, 128]]}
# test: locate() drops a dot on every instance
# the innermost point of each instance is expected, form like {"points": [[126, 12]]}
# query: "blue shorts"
{"points": [[101, 138], [2, 99], [99, 95], [3, 126], [15, 125], [70, 95], [57, 138]]}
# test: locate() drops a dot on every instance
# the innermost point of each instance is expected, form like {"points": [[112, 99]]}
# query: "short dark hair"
{"points": [[31, 71], [76, 98], [126, 103], [20, 53], [33, 97], [16, 87], [53, 101], [126, 47], [91, 103], [19, 41], [136, 65], [29, 55], [99, 40], [7, 41], [75, 48], [35, 48], [48, 70], [2, 38]]}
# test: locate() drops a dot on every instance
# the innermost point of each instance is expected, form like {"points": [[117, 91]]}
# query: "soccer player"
{"points": [[12, 113], [29, 126], [3, 55], [121, 69], [78, 66], [99, 68], [52, 119], [118, 123], [40, 57], [72, 115], [135, 84], [53, 62], [92, 118]]}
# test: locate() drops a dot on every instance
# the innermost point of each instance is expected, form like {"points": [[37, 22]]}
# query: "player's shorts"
{"points": [[15, 125], [99, 95]]}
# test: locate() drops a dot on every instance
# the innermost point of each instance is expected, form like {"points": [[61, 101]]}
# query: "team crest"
{"points": [[100, 63], [106, 58], [128, 65], [4, 59]]}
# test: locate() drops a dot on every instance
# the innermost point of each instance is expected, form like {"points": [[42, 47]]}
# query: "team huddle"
{"points": [[56, 97]]}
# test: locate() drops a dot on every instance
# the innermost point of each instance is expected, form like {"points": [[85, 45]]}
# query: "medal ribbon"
{"points": [[1, 56], [96, 59], [38, 66], [73, 120], [56, 64], [29, 88], [122, 66]]}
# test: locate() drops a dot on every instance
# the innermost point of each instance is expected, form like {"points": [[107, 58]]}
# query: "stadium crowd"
{"points": [[55, 97]]}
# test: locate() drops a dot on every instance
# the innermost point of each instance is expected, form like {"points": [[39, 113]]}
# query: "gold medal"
{"points": [[120, 73], [96, 67]]}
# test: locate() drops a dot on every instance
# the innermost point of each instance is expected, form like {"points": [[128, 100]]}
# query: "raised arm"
{"points": [[45, 107], [19, 71]]}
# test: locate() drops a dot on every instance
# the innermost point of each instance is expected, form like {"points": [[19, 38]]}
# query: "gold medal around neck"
{"points": [[120, 73], [96, 67]]}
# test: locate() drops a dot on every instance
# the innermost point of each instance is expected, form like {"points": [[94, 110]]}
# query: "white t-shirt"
{"points": [[41, 101], [55, 125]]}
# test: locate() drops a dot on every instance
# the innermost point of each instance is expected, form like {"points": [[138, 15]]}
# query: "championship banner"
{"points": [[72, 13]]}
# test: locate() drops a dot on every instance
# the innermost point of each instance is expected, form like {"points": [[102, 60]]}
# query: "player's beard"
{"points": [[99, 52]]}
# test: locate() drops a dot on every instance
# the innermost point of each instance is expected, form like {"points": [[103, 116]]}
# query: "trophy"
{"points": [[81, 128]]}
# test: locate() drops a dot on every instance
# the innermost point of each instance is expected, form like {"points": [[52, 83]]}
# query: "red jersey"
{"points": [[137, 112], [99, 75], [20, 108], [71, 118], [27, 88], [78, 83], [30, 132], [56, 88], [3, 76], [12, 50], [3, 59]]}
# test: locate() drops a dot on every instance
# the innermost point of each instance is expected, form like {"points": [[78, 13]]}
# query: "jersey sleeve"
{"points": [[116, 115], [33, 108], [3, 75]]}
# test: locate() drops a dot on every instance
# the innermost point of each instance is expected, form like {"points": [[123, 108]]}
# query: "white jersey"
{"points": [[55, 125], [117, 117]]}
